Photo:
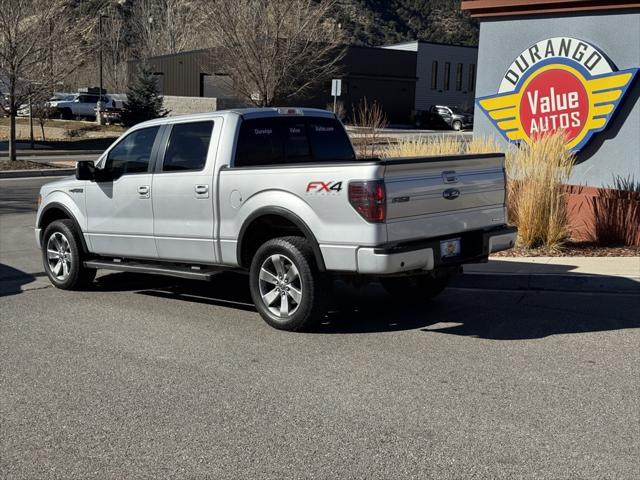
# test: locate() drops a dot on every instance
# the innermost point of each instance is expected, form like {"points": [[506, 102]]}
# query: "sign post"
{"points": [[336, 91]]}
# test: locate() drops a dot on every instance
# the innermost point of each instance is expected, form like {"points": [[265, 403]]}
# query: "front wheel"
{"points": [[62, 257], [287, 288], [416, 288], [457, 126]]}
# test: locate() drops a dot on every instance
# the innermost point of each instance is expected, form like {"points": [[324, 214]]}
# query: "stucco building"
{"points": [[590, 40]]}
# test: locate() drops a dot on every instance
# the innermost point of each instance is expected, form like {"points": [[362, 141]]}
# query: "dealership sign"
{"points": [[557, 84]]}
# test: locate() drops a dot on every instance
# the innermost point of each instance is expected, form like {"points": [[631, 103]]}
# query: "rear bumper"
{"points": [[424, 254]]}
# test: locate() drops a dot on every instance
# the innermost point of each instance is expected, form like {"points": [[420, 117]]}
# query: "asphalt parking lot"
{"points": [[152, 377]]}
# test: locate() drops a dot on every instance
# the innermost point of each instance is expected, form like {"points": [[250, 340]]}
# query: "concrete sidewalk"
{"points": [[611, 274]]}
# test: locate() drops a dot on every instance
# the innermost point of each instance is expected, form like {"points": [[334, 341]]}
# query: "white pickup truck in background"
{"points": [[278, 193]]}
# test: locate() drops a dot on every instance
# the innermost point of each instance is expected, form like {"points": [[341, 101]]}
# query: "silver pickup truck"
{"points": [[277, 192]]}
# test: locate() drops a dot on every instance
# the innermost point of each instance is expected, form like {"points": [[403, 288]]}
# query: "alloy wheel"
{"points": [[280, 285], [59, 256]]}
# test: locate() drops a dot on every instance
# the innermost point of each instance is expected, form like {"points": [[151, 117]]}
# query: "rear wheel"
{"points": [[416, 288], [287, 288], [62, 257]]}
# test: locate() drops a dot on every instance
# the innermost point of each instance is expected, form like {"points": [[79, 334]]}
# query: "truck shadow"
{"points": [[12, 280], [465, 309]]}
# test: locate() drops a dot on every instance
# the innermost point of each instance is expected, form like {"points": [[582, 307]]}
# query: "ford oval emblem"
{"points": [[451, 193]]}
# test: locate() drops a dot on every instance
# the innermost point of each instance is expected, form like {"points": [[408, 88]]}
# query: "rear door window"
{"points": [[187, 147]]}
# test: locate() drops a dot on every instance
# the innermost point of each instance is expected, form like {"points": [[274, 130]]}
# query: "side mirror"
{"points": [[86, 170]]}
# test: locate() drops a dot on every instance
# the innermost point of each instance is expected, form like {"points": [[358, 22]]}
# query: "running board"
{"points": [[200, 273]]}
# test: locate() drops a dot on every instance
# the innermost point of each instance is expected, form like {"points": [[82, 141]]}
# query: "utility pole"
{"points": [[31, 123], [99, 105]]}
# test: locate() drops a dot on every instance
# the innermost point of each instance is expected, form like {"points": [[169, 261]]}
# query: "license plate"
{"points": [[450, 248]]}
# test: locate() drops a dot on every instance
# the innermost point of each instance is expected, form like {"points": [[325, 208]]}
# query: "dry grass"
{"points": [[423, 147], [483, 145], [536, 194], [536, 174]]}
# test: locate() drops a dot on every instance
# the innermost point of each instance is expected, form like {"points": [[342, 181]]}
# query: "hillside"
{"points": [[377, 22]]}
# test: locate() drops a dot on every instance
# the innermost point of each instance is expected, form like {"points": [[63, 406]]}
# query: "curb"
{"points": [[549, 282], [51, 153], [44, 172]]}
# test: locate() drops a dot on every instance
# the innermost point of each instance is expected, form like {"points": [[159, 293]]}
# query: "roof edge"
{"points": [[502, 8]]}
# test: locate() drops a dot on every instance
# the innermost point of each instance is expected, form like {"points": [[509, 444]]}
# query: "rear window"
{"points": [[278, 141]]}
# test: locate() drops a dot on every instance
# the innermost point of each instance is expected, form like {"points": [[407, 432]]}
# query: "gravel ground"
{"points": [[23, 165], [573, 249]]}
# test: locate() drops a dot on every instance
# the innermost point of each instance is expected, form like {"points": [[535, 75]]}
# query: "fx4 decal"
{"points": [[324, 187]]}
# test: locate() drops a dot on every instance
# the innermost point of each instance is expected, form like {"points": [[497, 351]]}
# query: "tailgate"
{"points": [[433, 196]]}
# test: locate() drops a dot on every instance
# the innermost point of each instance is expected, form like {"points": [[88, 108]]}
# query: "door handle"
{"points": [[202, 191], [143, 191]]}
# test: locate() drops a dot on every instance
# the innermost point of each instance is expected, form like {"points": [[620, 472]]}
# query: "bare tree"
{"points": [[40, 42], [371, 120], [274, 51], [167, 26], [116, 47]]}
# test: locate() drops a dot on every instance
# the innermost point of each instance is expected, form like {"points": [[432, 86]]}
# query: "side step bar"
{"points": [[204, 273]]}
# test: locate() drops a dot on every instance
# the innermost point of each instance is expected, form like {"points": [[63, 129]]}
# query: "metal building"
{"points": [[386, 76], [446, 74]]}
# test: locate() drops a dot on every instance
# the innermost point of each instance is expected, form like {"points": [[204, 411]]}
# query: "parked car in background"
{"points": [[442, 116], [78, 106]]}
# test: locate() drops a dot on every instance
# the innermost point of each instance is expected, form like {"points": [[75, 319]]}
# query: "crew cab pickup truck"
{"points": [[277, 192]]}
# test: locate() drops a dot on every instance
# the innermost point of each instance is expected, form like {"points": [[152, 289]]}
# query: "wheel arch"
{"points": [[264, 215], [57, 211]]}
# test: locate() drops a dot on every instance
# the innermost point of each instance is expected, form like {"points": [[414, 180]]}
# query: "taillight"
{"points": [[369, 199]]}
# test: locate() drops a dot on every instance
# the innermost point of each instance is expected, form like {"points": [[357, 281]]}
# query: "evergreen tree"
{"points": [[143, 99]]}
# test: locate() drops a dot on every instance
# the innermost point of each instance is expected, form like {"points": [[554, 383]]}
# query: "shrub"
{"points": [[617, 212], [371, 119], [536, 203], [144, 101]]}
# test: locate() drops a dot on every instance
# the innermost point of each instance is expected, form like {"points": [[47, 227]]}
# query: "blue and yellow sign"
{"points": [[557, 84]]}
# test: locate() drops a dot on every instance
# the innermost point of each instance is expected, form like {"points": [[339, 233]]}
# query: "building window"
{"points": [[459, 77], [434, 75], [472, 77], [447, 73]]}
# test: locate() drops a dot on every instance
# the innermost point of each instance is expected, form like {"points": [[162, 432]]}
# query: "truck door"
{"points": [[119, 210], [184, 192]]}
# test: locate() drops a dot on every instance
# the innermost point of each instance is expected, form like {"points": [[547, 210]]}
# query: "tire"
{"points": [[416, 288], [66, 114], [457, 125], [288, 290], [62, 257]]}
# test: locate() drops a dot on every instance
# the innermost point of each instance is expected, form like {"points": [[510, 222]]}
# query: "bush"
{"points": [[143, 99], [536, 203], [617, 212], [371, 119]]}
